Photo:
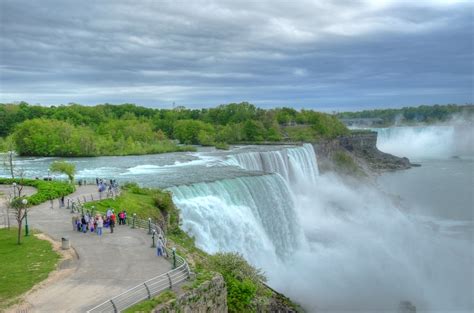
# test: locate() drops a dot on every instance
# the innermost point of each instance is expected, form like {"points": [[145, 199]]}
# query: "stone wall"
{"points": [[210, 296]]}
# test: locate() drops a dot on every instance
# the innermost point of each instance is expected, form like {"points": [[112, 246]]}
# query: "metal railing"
{"points": [[147, 289], [153, 286]]}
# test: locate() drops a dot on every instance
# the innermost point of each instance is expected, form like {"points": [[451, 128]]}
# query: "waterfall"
{"points": [[417, 143], [250, 215], [297, 165], [328, 244]]}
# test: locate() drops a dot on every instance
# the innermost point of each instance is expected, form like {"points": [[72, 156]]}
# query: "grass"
{"points": [[141, 204], [346, 165], [149, 305], [22, 266]]}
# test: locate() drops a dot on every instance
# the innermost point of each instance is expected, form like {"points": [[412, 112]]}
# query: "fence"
{"points": [[147, 289], [151, 287]]}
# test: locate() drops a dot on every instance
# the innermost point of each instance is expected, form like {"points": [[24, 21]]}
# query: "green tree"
{"points": [[190, 131], [65, 168]]}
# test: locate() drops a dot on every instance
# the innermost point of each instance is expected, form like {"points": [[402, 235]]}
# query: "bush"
{"points": [[243, 281]]}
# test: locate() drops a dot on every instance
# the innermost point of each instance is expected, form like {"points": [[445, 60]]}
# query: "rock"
{"points": [[362, 147]]}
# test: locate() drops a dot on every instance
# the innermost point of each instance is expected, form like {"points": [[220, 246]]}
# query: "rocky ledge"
{"points": [[361, 148]]}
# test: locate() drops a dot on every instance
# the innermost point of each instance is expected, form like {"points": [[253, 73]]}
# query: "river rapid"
{"points": [[331, 244]]}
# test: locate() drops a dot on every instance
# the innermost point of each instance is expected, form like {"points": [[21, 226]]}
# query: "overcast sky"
{"points": [[327, 55]]}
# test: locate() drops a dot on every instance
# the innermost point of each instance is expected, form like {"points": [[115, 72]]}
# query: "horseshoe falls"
{"points": [[330, 244]]}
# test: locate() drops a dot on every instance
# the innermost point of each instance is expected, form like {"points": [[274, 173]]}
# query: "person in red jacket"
{"points": [[112, 222]]}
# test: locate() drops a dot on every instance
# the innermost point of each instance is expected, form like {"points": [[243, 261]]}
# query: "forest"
{"points": [[126, 129], [424, 114]]}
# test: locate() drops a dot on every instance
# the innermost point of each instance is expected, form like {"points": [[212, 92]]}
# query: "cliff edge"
{"points": [[357, 152]]}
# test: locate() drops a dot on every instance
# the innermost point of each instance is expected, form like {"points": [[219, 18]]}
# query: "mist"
{"points": [[455, 139], [366, 253], [331, 244]]}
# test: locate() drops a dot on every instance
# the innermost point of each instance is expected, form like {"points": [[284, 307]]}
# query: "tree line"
{"points": [[105, 129], [425, 114]]}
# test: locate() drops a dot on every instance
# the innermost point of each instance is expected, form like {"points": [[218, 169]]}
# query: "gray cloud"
{"points": [[321, 54]]}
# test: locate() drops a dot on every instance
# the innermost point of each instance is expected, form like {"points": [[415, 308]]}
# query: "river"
{"points": [[331, 244]]}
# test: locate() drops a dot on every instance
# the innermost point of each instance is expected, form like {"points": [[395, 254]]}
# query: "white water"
{"points": [[297, 166], [331, 246], [427, 142], [253, 215]]}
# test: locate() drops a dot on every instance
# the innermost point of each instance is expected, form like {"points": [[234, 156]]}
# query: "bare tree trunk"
{"points": [[10, 160], [19, 232], [7, 209]]}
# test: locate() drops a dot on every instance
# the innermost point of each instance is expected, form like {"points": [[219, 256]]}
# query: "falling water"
{"points": [[331, 246]]}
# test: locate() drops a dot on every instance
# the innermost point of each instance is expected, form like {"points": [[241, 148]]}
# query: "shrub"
{"points": [[243, 281]]}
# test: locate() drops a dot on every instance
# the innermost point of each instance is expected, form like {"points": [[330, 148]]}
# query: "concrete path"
{"points": [[6, 192], [106, 265]]}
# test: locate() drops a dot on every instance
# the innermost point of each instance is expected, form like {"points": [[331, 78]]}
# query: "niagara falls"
{"points": [[237, 156]]}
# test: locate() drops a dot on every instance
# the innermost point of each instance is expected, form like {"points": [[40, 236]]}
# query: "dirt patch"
{"points": [[65, 267]]}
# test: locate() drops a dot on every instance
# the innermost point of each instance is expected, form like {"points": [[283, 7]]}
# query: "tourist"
{"points": [[78, 223], [112, 222], [83, 224], [159, 247], [91, 224], [121, 218], [100, 224]]}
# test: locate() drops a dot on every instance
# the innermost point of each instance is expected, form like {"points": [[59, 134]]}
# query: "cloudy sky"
{"points": [[327, 55]]}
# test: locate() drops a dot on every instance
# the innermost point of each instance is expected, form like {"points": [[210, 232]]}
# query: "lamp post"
{"points": [[174, 256], [27, 230], [153, 245], [149, 226]]}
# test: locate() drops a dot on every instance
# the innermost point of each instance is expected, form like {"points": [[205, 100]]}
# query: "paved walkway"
{"points": [[6, 192], [106, 265]]}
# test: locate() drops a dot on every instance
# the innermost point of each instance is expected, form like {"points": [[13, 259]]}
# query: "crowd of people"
{"points": [[96, 222], [110, 185]]}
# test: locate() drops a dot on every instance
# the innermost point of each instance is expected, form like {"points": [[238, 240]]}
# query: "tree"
{"points": [[20, 209], [65, 168], [8, 160], [18, 205]]}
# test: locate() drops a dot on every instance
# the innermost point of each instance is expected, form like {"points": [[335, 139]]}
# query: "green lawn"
{"points": [[141, 204], [22, 266]]}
